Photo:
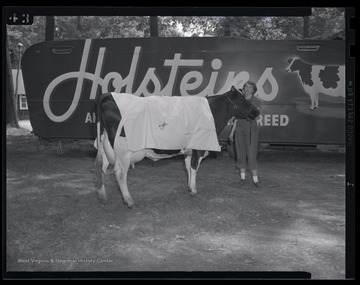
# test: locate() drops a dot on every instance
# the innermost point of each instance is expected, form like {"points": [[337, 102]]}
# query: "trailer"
{"points": [[301, 83]]}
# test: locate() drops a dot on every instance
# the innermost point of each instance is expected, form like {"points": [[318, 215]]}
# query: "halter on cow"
{"points": [[113, 148]]}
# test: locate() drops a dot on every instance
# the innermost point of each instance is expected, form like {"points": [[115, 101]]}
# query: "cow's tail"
{"points": [[99, 124], [98, 140]]}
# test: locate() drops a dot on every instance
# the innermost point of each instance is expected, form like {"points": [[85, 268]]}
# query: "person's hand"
{"points": [[231, 137]]}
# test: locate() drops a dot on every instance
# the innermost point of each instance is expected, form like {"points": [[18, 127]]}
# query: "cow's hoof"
{"points": [[193, 193], [102, 197], [130, 205]]}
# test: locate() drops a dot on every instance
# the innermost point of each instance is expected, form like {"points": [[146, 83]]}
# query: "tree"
{"points": [[154, 27], [11, 114], [306, 26], [168, 27], [196, 25], [49, 28], [27, 35], [323, 23]]}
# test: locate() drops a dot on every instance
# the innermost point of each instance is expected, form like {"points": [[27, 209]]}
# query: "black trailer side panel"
{"points": [[63, 79]]}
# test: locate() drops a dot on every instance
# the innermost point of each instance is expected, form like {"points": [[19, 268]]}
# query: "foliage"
{"points": [[327, 21], [324, 22]]}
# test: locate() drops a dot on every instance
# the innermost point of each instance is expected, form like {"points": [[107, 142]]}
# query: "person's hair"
{"points": [[253, 84]]}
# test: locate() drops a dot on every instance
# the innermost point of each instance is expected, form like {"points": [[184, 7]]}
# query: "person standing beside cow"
{"points": [[245, 132]]}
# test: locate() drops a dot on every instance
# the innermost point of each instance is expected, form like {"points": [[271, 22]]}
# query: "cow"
{"points": [[325, 79], [113, 147]]}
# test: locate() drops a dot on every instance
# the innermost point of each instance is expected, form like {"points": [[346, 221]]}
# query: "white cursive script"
{"points": [[189, 82]]}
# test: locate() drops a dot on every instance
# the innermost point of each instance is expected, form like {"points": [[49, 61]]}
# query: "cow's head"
{"points": [[293, 64], [242, 108]]}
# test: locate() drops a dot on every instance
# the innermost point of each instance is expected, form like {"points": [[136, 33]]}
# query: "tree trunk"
{"points": [[11, 115], [154, 26], [49, 28], [78, 23], [306, 27], [227, 28]]}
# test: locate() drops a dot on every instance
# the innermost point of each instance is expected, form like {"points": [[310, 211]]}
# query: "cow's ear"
{"points": [[234, 93], [289, 60]]}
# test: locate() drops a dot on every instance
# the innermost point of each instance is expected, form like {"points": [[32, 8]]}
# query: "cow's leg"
{"points": [[196, 158], [188, 167], [316, 100], [193, 173], [102, 192], [101, 165], [98, 165], [312, 98], [121, 169]]}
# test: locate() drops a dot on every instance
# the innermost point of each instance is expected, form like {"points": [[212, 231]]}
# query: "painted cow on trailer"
{"points": [[113, 147], [325, 79]]}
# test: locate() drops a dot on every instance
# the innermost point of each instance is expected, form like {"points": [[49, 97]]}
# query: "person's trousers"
{"points": [[246, 144]]}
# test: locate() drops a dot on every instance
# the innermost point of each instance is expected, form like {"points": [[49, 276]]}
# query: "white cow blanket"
{"points": [[167, 122]]}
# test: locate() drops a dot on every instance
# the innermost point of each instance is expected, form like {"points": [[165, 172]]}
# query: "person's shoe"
{"points": [[242, 182], [257, 184]]}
